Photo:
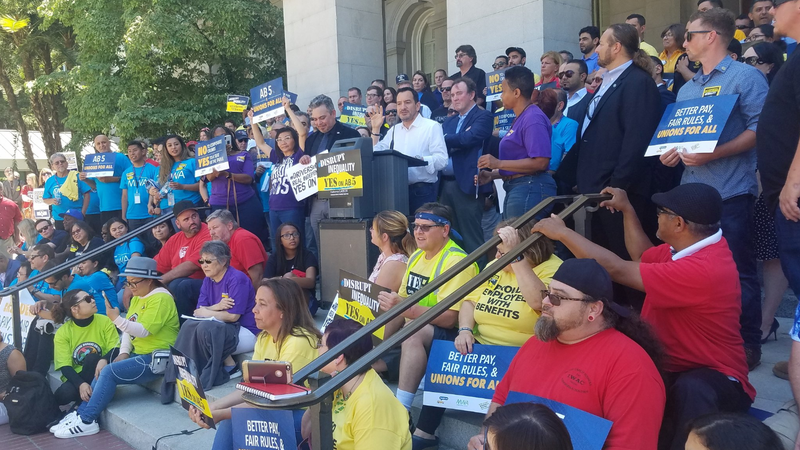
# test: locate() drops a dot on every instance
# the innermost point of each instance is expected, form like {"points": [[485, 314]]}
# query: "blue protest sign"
{"points": [[237, 103], [99, 165], [503, 119], [465, 382], [257, 429], [267, 100], [587, 431], [494, 84], [692, 126], [292, 97], [211, 155], [354, 116]]}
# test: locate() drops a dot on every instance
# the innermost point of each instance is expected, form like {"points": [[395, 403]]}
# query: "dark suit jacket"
{"points": [[578, 111], [466, 146], [611, 151], [338, 132]]}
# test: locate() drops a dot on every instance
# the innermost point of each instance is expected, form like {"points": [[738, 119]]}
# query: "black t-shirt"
{"points": [[309, 260], [59, 240], [478, 76], [439, 114], [779, 129], [678, 81]]}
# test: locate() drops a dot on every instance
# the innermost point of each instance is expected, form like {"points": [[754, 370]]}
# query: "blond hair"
{"points": [[395, 225]]}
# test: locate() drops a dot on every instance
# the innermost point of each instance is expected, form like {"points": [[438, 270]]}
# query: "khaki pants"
{"points": [[786, 423], [4, 244]]}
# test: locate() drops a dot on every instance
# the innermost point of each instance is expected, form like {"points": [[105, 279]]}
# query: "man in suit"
{"points": [[465, 136], [327, 131], [616, 126]]}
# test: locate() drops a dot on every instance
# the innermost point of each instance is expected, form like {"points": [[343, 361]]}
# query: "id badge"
{"points": [[171, 198], [137, 198]]}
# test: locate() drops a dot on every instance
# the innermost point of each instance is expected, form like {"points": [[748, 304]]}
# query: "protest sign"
{"points": [[465, 382], [189, 387], [99, 165], [303, 179], [72, 160], [211, 155], [292, 97], [257, 429], [339, 174], [503, 119], [267, 100], [692, 126], [357, 300], [353, 115], [41, 210], [7, 317], [494, 84], [587, 431], [237, 103]]}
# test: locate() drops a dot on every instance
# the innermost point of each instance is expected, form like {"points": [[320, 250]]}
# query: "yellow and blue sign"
{"points": [[503, 119], [692, 126], [189, 387], [339, 174], [267, 100], [211, 155], [353, 115], [237, 103], [494, 84]]}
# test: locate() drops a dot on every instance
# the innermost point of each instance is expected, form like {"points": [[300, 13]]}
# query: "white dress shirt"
{"points": [[576, 97], [609, 78], [424, 140]]}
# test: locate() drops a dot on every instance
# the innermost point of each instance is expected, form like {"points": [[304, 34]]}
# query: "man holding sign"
{"points": [[731, 167], [107, 187]]}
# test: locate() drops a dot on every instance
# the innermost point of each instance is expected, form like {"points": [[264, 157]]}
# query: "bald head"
{"points": [[102, 144]]}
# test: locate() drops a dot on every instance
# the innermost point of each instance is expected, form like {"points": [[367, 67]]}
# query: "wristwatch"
{"points": [[228, 175]]}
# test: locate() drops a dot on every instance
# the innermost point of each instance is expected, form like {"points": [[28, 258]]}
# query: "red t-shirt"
{"points": [[694, 305], [180, 249], [10, 215], [607, 375], [246, 250]]}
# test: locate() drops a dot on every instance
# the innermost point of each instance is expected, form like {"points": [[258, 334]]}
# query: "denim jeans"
{"points": [[134, 370], [223, 440], [738, 228], [419, 194], [789, 252], [295, 216], [523, 193]]}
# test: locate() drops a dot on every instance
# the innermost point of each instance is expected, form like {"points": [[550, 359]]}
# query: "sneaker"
{"points": [[781, 369], [234, 372], [78, 429], [65, 421]]}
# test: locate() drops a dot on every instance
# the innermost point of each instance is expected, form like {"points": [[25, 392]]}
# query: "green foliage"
{"points": [[146, 68]]}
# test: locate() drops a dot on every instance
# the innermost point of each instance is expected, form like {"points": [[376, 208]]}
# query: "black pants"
{"points": [[105, 216], [185, 291], [430, 417], [695, 393], [68, 392], [96, 222], [38, 350]]}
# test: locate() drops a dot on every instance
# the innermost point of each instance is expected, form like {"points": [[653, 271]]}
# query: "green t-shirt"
{"points": [[157, 314], [72, 343]]}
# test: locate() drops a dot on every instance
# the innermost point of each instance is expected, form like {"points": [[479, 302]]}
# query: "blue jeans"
{"points": [[185, 291], [789, 252], [738, 228], [419, 194], [295, 216], [134, 370], [523, 193], [223, 440]]}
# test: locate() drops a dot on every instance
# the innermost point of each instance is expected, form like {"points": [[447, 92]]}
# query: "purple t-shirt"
{"points": [[281, 196], [236, 285], [529, 137], [239, 163]]}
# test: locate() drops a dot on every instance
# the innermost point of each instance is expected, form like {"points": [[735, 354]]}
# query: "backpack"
{"points": [[30, 403]]}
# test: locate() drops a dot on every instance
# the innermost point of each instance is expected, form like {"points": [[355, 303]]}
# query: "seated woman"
{"points": [[91, 279], [152, 324], [122, 254], [162, 232], [288, 334], [366, 414], [526, 426], [228, 296], [11, 362], [293, 261], [520, 285], [84, 344], [83, 240]]}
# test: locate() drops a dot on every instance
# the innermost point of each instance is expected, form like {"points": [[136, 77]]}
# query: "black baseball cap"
{"points": [[696, 202], [516, 49], [184, 205], [589, 277]]}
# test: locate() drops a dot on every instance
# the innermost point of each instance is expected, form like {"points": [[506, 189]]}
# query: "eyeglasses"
{"points": [[76, 232], [753, 60], [290, 235], [391, 112], [689, 34], [43, 229], [496, 66], [59, 162], [460, 55], [425, 228], [447, 89], [743, 27], [132, 284], [87, 299], [566, 73], [660, 211], [556, 299], [206, 261], [668, 36], [288, 139]]}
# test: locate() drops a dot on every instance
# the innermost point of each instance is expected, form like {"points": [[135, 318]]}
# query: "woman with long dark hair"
{"points": [[83, 240], [526, 426], [176, 176], [389, 96], [292, 260], [423, 89], [729, 431]]}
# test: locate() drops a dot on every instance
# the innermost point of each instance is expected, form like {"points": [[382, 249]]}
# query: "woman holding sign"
{"points": [[176, 176]]}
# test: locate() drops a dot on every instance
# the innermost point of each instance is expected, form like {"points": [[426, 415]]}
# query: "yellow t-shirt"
{"points": [[297, 350], [74, 343], [371, 418], [157, 314], [502, 316], [669, 64], [423, 269]]}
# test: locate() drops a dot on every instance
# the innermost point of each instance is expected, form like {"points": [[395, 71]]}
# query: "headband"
{"points": [[438, 220]]}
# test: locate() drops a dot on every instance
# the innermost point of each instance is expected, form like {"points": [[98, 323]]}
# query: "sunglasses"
{"points": [[447, 89], [87, 299], [42, 230], [743, 27], [392, 112], [425, 228], [556, 299], [595, 80], [753, 60], [496, 66], [290, 235], [689, 34], [206, 261], [566, 73]]}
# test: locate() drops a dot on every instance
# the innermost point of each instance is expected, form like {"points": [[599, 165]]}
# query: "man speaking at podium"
{"points": [[416, 137]]}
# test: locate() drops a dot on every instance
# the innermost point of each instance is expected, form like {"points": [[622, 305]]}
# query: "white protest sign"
{"points": [[7, 316], [41, 210], [303, 178]]}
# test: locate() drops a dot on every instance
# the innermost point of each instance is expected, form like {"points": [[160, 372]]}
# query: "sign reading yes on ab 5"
{"points": [[267, 100]]}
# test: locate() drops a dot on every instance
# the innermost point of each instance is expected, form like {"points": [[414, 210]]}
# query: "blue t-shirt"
{"points": [[236, 285], [95, 284], [134, 180], [110, 193], [123, 252], [94, 203], [51, 190], [565, 132], [262, 158], [43, 286], [183, 173]]}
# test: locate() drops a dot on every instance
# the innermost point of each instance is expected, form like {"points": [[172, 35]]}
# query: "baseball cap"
{"points": [[74, 213], [589, 277], [696, 202], [240, 135], [400, 78], [184, 205], [516, 49]]}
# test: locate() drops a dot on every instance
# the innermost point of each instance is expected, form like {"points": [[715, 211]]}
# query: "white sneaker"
{"points": [[77, 430], [65, 421]]}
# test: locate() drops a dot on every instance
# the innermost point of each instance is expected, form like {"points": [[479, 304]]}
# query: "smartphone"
{"points": [[228, 139], [274, 372]]}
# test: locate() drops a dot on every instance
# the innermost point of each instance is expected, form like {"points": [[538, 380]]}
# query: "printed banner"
{"points": [[41, 210], [353, 115], [303, 179], [692, 126], [503, 119], [358, 300], [7, 316], [267, 100], [99, 165], [237, 103], [465, 382], [339, 174], [587, 431], [189, 387], [292, 97], [72, 160], [494, 84], [211, 155], [257, 429]]}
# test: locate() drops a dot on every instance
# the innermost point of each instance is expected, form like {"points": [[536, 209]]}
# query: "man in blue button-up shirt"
{"points": [[731, 168]]}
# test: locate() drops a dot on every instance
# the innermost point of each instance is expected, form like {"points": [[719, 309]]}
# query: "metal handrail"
{"points": [[13, 291], [425, 318]]}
